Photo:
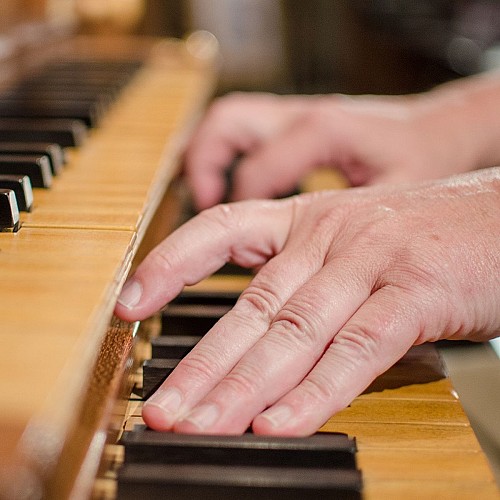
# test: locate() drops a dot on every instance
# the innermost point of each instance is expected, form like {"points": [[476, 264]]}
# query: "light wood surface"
{"points": [[62, 272]]}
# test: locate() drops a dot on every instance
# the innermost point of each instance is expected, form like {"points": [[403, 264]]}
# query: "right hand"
{"points": [[349, 280]]}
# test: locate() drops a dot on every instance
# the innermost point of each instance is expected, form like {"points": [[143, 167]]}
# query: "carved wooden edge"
{"points": [[74, 474]]}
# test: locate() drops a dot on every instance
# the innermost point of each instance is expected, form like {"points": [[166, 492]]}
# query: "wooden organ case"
{"points": [[64, 356]]}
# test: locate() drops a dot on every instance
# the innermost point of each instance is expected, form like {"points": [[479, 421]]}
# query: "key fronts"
{"points": [[46, 113], [238, 467]]}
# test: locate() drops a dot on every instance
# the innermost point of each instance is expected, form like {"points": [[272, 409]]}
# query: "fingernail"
{"points": [[131, 294], [278, 415], [204, 416], [169, 400]]}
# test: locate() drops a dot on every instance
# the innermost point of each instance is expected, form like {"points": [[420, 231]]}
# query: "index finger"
{"points": [[219, 139], [246, 233]]}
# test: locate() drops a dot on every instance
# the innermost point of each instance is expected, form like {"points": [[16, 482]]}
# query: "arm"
{"points": [[350, 280]]}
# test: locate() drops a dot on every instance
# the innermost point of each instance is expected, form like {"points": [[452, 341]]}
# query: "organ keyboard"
{"points": [[62, 353], [62, 270], [413, 438]]}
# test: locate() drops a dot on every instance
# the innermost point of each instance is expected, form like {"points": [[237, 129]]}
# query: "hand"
{"points": [[371, 140], [350, 280]]}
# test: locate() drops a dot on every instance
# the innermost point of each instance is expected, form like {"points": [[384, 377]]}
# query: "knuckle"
{"points": [[359, 339], [259, 300], [316, 116], [201, 363], [224, 216], [159, 258], [244, 381], [227, 104], [230, 219], [299, 325], [318, 389], [360, 345]]}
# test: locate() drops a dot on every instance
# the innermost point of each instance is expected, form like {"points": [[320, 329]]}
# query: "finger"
{"points": [[296, 339], [276, 167], [221, 348], [234, 125], [246, 233], [377, 336], [206, 161]]}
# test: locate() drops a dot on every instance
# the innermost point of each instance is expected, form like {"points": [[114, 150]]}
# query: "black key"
{"points": [[56, 94], [89, 112], [80, 67], [89, 71], [154, 372], [88, 80], [9, 212], [54, 152], [37, 168], [213, 298], [51, 87], [230, 269], [322, 450], [229, 482], [66, 133], [21, 186], [173, 346], [195, 319]]}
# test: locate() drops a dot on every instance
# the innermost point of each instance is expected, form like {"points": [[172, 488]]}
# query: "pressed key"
{"points": [[322, 450], [154, 372], [191, 319], [54, 152], [9, 211], [21, 185], [173, 346], [36, 167], [208, 298]]}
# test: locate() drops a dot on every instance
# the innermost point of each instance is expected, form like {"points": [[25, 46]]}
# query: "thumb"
{"points": [[247, 233]]}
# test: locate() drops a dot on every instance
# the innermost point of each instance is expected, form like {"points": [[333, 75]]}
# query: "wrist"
{"points": [[461, 121]]}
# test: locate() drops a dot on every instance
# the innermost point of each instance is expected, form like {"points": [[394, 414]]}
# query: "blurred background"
{"points": [[353, 46], [381, 46]]}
